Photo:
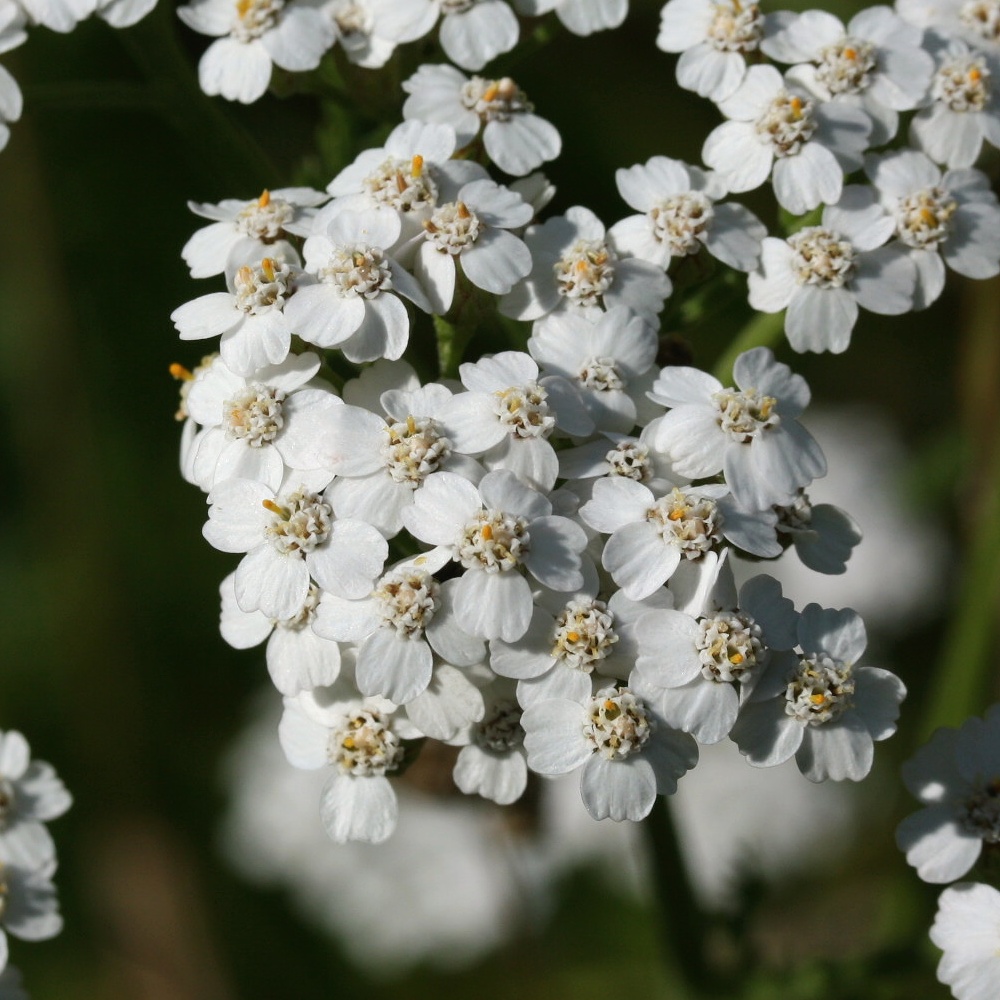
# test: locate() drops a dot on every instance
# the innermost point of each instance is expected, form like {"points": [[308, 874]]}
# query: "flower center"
{"points": [[357, 270], [404, 186], [982, 17], [407, 600], [523, 410], [585, 272], [364, 745], [265, 218], [631, 460], [681, 220], [261, 288], [584, 635], [352, 19], [729, 646], [788, 124], [300, 523], [845, 68], [735, 27], [819, 690], [601, 375], [821, 257], [501, 730], [692, 524], [982, 816], [254, 17], [796, 516], [963, 84], [414, 450], [306, 613], [495, 100], [453, 227], [494, 542], [618, 724], [743, 413], [923, 218], [254, 415]]}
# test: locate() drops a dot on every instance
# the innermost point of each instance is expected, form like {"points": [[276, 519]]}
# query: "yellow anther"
{"points": [[818, 699], [274, 508], [928, 216], [677, 513], [417, 165], [348, 743], [850, 53], [975, 74], [487, 533], [573, 636], [245, 274], [736, 659], [582, 266], [463, 212], [265, 199], [267, 266], [766, 406], [491, 91], [243, 7], [411, 424], [180, 373], [796, 106]]}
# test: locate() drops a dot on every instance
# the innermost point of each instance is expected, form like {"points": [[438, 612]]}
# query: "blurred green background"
{"points": [[112, 663]]}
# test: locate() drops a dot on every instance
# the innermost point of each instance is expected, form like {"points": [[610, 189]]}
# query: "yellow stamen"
{"points": [[267, 266], [463, 212], [348, 743], [796, 105], [491, 91], [411, 424], [245, 274], [850, 54], [736, 659], [181, 373], [487, 533], [274, 508], [265, 199], [243, 7], [975, 74], [573, 636], [817, 699], [417, 165], [677, 513]]}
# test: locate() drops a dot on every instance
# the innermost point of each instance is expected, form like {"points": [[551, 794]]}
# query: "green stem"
{"points": [[762, 331], [683, 923], [99, 95], [452, 339]]}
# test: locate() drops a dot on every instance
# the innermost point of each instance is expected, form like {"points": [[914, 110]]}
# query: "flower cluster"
{"points": [[30, 796]]}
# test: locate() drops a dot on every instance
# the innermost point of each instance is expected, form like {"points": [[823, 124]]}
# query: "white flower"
{"points": [[824, 536], [123, 13], [472, 31], [298, 659], [11, 104], [355, 303], [619, 455], [809, 144], [957, 778], [494, 532], [750, 433], [628, 756], [582, 17], [820, 706], [713, 37], [576, 269], [30, 795], [821, 274], [261, 427], [251, 35], [967, 929], [248, 230], [31, 909], [250, 317], [288, 538], [605, 360], [514, 137], [59, 15], [360, 29], [965, 108], [948, 219], [472, 230], [681, 216], [876, 63], [975, 21], [359, 740]]}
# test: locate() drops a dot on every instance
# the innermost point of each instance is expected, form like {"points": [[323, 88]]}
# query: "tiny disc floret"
{"points": [[253, 415], [962, 83], [453, 227], [501, 730], [584, 635], [524, 411], [618, 724], [692, 524], [820, 690], [630, 459], [265, 219], [736, 27], [821, 257], [255, 17], [788, 124], [357, 271], [414, 449], [600, 375], [305, 616], [796, 516], [261, 288], [846, 67], [495, 100], [300, 522], [982, 17], [494, 542], [681, 220], [365, 746], [745, 413], [403, 185], [407, 600], [730, 646], [585, 272], [923, 218]]}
